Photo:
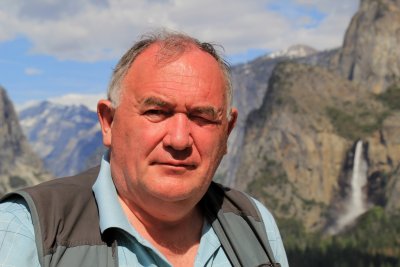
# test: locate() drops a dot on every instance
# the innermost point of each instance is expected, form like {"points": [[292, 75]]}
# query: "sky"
{"points": [[53, 48]]}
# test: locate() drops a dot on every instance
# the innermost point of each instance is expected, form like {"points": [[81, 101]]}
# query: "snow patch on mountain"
{"points": [[294, 51], [87, 100]]}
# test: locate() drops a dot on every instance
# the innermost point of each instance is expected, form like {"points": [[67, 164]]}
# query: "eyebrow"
{"points": [[208, 110], [155, 101]]}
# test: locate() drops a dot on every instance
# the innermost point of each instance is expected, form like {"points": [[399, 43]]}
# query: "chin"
{"points": [[176, 192]]}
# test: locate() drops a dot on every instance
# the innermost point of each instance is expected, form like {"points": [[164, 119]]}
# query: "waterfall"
{"points": [[356, 201]]}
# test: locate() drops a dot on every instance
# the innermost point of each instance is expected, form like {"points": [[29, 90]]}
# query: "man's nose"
{"points": [[178, 134]]}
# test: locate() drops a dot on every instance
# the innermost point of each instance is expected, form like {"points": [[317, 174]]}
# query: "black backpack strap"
{"points": [[239, 227]]}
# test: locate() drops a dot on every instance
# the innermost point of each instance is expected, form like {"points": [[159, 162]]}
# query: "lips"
{"points": [[176, 164]]}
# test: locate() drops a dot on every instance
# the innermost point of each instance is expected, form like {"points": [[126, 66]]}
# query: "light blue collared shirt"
{"points": [[17, 238]]}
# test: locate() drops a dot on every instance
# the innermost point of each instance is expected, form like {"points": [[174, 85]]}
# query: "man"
{"points": [[166, 124]]}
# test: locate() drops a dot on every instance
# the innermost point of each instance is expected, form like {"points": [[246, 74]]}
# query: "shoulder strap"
{"points": [[239, 227]]}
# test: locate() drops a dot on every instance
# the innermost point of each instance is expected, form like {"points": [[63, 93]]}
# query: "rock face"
{"points": [[291, 149], [295, 145], [250, 82], [19, 166], [371, 53], [65, 137], [384, 163], [298, 153]]}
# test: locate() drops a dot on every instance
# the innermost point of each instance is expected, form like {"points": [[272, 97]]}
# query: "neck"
{"points": [[177, 239]]}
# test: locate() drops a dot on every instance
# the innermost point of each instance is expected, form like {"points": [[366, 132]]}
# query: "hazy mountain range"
{"points": [[64, 136]]}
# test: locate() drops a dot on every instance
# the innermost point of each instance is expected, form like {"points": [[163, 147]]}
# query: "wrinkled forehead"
{"points": [[160, 54], [189, 63]]}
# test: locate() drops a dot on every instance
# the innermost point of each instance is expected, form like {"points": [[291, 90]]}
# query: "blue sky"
{"points": [[27, 76], [50, 48]]}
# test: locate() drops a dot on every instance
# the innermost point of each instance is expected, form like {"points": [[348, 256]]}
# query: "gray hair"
{"points": [[172, 45]]}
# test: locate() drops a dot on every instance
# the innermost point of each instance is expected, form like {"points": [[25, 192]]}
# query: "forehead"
{"points": [[189, 73]]}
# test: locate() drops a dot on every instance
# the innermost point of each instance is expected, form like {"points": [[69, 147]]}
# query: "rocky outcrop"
{"points": [[298, 147], [250, 86], [371, 55], [19, 166], [292, 155], [384, 164], [295, 146]]}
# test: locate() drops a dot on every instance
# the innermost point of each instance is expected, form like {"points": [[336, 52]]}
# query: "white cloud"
{"points": [[33, 71], [28, 104], [90, 30], [88, 100]]}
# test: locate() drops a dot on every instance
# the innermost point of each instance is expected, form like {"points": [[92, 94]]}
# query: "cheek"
{"points": [[142, 137], [209, 142]]}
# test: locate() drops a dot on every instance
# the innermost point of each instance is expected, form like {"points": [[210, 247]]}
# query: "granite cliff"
{"points": [[19, 165], [295, 146], [249, 82], [371, 55], [299, 147]]}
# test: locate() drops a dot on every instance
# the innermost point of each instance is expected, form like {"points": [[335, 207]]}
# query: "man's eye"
{"points": [[202, 120], [156, 114]]}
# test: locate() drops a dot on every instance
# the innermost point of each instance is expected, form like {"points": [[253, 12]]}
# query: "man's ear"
{"points": [[231, 124], [105, 113], [232, 120]]}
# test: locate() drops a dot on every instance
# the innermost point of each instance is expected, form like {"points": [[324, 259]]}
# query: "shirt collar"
{"points": [[111, 214], [110, 210]]}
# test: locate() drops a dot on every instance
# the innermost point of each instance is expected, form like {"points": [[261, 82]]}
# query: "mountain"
{"points": [[65, 137], [322, 150], [370, 53], [250, 84], [311, 117], [295, 145], [19, 165], [369, 57]]}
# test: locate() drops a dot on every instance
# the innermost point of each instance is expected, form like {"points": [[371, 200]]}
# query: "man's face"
{"points": [[170, 130]]}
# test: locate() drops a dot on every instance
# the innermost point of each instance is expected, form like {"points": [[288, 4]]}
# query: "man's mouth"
{"points": [[176, 164]]}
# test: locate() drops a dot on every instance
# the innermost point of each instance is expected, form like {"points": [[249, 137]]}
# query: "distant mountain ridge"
{"points": [[65, 137]]}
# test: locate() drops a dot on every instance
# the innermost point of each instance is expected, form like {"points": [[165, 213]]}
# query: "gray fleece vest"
{"points": [[67, 231]]}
